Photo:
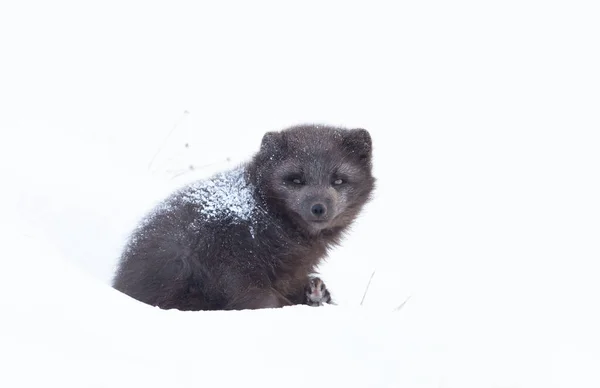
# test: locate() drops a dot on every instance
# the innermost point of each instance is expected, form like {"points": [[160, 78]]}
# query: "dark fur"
{"points": [[264, 262]]}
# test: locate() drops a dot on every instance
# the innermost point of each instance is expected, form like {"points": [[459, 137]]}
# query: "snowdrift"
{"points": [[61, 327]]}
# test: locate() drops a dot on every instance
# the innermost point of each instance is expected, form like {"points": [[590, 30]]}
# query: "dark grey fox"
{"points": [[250, 237]]}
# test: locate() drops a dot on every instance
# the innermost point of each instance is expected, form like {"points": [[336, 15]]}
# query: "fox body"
{"points": [[250, 237]]}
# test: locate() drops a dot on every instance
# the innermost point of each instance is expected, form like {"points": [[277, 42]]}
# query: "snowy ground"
{"points": [[485, 122]]}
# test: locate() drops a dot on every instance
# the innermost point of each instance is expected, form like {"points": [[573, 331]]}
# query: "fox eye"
{"points": [[294, 179], [338, 181]]}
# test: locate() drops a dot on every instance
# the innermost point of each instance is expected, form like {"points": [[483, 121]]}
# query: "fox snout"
{"points": [[318, 208]]}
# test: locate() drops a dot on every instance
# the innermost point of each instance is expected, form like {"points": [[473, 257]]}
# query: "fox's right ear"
{"points": [[271, 141]]}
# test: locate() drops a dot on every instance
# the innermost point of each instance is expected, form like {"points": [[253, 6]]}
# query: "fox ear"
{"points": [[359, 142], [271, 141]]}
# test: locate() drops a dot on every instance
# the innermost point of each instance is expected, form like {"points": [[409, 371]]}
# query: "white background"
{"points": [[484, 117]]}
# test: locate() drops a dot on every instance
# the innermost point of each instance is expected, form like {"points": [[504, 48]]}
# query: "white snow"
{"points": [[484, 119], [226, 195]]}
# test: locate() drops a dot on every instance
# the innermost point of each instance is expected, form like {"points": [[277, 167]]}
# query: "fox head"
{"points": [[317, 176]]}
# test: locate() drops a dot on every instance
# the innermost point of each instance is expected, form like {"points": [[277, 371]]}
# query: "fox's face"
{"points": [[319, 177]]}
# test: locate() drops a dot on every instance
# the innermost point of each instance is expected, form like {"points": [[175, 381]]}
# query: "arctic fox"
{"points": [[251, 237]]}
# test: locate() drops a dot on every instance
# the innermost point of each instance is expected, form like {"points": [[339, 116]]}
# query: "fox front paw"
{"points": [[316, 294]]}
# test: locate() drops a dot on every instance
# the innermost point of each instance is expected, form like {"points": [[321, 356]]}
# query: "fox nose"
{"points": [[318, 210]]}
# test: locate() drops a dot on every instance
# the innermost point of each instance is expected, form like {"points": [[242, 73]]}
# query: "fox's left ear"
{"points": [[271, 142], [358, 140]]}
